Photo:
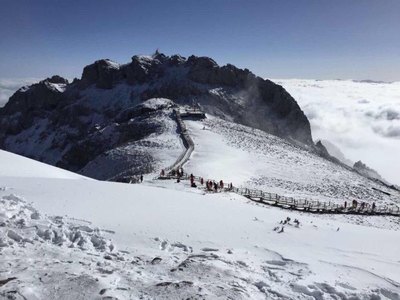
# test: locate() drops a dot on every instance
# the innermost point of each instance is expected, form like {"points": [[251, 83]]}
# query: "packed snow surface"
{"points": [[70, 238]]}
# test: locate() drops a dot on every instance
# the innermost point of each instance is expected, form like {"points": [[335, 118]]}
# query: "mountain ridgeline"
{"points": [[71, 124]]}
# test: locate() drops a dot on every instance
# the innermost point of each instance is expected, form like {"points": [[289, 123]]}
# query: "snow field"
{"points": [[254, 159], [164, 240], [211, 245]]}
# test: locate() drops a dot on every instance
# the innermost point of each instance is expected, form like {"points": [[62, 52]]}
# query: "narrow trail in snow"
{"points": [[187, 140], [266, 197]]}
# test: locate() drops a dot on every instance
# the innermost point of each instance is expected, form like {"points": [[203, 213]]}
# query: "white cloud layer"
{"points": [[362, 119], [10, 86]]}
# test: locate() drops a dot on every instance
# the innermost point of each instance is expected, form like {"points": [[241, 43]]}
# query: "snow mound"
{"points": [[22, 223], [158, 103]]}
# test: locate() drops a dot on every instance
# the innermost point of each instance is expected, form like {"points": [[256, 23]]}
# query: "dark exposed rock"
{"points": [[57, 79], [4, 281], [103, 73], [323, 152], [44, 95], [37, 101], [336, 152], [183, 80]]}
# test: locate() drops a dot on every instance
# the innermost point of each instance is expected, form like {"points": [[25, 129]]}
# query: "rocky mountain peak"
{"points": [[201, 62], [75, 122], [57, 79], [102, 72]]}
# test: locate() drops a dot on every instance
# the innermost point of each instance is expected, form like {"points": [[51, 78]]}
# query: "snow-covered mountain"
{"points": [[76, 125], [67, 237]]}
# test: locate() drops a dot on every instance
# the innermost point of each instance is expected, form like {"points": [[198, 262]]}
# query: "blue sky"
{"points": [[276, 39]]}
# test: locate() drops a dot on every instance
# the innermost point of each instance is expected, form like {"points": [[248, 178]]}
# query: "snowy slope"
{"points": [[145, 155], [252, 158], [13, 165], [87, 239]]}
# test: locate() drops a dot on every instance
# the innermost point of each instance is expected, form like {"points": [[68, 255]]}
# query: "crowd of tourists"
{"points": [[361, 206], [210, 185]]}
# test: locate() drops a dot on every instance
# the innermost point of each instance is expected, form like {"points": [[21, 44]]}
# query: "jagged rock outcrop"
{"points": [[28, 103], [323, 152], [336, 152], [70, 124], [332, 152], [103, 73], [368, 172]]}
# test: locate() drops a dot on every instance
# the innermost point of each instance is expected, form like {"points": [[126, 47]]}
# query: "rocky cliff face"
{"points": [[72, 124]]}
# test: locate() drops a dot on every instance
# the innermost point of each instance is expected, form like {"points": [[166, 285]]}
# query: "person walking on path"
{"points": [[191, 179]]}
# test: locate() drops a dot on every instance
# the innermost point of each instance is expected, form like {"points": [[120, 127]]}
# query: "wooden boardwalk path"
{"points": [[315, 206], [186, 139], [271, 198], [309, 206]]}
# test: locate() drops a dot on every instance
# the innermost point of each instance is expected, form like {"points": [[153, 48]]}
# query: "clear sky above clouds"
{"points": [[276, 39]]}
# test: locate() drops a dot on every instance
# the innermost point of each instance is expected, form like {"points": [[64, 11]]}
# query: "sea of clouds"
{"points": [[361, 118]]}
